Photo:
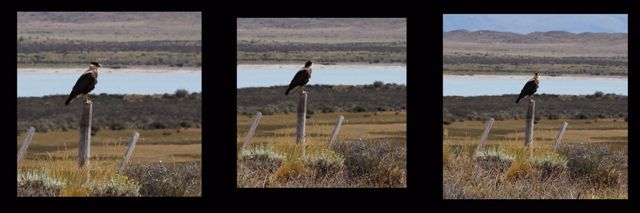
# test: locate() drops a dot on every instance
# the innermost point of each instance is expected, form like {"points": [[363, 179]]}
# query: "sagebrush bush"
{"points": [[377, 162], [116, 186], [160, 180], [345, 164], [325, 162], [544, 175], [38, 184], [595, 163], [262, 158], [549, 164], [493, 158]]}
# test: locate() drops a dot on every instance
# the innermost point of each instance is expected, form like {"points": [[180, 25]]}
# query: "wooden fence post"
{"points": [[84, 146], [254, 125], [127, 154], [485, 134], [560, 134], [336, 130], [302, 118], [25, 144], [528, 135]]}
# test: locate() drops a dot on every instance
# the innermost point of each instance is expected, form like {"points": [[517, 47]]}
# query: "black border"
{"points": [[424, 55], [558, 7]]}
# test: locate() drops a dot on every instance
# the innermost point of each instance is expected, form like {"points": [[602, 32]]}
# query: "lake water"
{"points": [[459, 85], [271, 75], [50, 83]]}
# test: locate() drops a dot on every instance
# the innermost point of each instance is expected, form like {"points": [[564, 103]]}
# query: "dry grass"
{"points": [[153, 145], [370, 152], [50, 160], [591, 162]]}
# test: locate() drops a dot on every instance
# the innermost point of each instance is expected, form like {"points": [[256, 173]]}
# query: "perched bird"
{"points": [[529, 88], [85, 83], [301, 78]]}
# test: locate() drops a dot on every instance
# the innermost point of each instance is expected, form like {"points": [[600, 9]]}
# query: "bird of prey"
{"points": [[85, 83], [301, 78], [529, 88]]}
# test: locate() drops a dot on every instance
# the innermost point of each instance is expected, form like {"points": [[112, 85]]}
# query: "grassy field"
{"points": [[370, 152], [164, 163], [591, 162]]}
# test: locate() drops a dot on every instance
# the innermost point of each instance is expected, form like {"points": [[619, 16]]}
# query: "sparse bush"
{"points": [[326, 162], [158, 125], [494, 158], [181, 93], [263, 158], [159, 180], [38, 184], [549, 164], [117, 126], [359, 109], [375, 161], [116, 186], [94, 129], [594, 163], [598, 94]]}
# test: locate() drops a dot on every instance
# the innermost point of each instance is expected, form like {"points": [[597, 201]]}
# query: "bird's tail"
{"points": [[66, 103], [518, 100], [287, 92]]}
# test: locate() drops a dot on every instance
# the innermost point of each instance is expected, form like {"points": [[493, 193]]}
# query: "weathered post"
{"points": [[84, 145], [485, 134], [528, 135], [127, 154], [302, 118], [254, 125], [25, 144], [560, 134], [336, 130]]}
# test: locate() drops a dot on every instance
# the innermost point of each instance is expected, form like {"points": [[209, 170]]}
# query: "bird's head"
{"points": [[535, 76], [308, 64], [95, 65]]}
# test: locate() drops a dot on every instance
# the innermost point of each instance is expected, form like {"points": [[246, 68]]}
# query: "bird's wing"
{"points": [[83, 82], [300, 78], [528, 87]]}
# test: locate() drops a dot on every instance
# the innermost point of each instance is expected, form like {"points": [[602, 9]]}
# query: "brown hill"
{"points": [[487, 36]]}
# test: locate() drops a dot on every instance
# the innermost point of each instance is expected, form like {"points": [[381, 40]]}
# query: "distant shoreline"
{"points": [[576, 77], [111, 70], [320, 66]]}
